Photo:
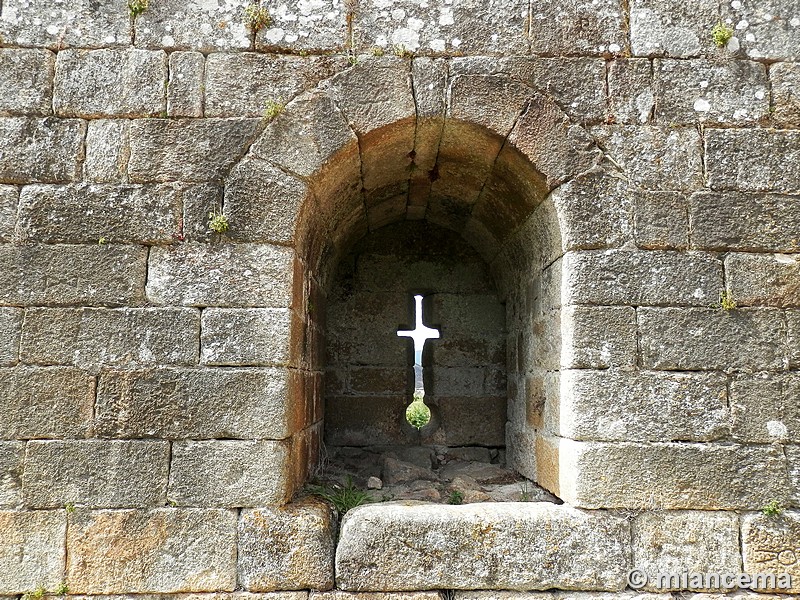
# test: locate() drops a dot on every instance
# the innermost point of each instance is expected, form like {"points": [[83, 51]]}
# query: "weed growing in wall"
{"points": [[257, 17], [217, 222], [36, 594], [402, 51], [772, 508], [455, 497], [343, 497], [137, 7], [272, 109], [721, 34], [726, 301]]}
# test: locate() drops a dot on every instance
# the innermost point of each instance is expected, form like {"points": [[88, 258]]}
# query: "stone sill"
{"points": [[410, 546]]}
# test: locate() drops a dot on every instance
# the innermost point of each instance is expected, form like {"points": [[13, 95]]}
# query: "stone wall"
{"points": [[369, 380], [163, 386]]}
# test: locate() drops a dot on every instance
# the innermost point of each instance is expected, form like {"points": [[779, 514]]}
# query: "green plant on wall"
{"points": [[218, 222], [721, 34], [272, 109], [772, 508], [455, 497], [36, 594], [343, 497], [137, 7], [726, 301], [257, 17]]}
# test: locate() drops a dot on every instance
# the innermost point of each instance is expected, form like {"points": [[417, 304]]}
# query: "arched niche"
{"points": [[483, 155]]}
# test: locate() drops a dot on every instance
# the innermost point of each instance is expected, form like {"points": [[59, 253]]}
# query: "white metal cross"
{"points": [[420, 335]]}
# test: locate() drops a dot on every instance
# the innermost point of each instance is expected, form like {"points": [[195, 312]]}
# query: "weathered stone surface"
{"points": [[598, 337], [560, 595], [764, 408], [655, 158], [641, 406], [364, 421], [477, 26], [95, 473], [591, 28], [287, 548], [784, 79], [339, 595], [753, 160], [661, 221], [193, 25], [11, 458], [767, 30], [320, 25], [710, 339], [162, 550], [107, 151], [763, 279], [793, 456], [187, 149], [386, 81], [241, 84], [598, 210], [418, 547], [576, 84], [39, 402], [126, 83], [187, 403], [477, 420], [458, 381], [88, 212], [682, 30], [9, 198], [630, 91], [130, 337], [641, 278], [263, 202], [385, 126], [26, 86], [46, 150], [689, 91], [205, 199], [398, 471], [229, 473], [698, 476], [186, 84], [479, 472], [505, 595], [239, 595], [81, 23], [10, 330], [32, 552], [305, 137], [72, 274], [769, 545], [237, 337], [793, 337], [746, 222], [222, 275], [49, 335], [675, 542]]}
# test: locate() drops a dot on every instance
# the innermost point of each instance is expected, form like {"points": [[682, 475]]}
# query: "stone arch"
{"points": [[481, 153]]}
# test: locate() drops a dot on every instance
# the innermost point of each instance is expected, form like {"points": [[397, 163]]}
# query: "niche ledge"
{"points": [[407, 546]]}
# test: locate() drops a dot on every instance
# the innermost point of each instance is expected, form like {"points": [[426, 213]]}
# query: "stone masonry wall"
{"points": [[162, 386]]}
